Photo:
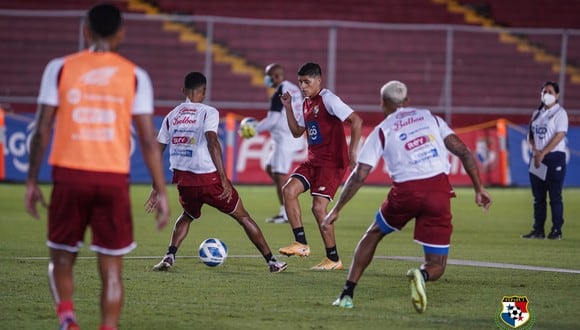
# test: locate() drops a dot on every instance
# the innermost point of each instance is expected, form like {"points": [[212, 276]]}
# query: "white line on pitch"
{"points": [[457, 262]]}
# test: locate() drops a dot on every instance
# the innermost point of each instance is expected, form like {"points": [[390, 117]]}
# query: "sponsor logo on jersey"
{"points": [[187, 111], [184, 120], [313, 132], [402, 123], [417, 142], [182, 140], [182, 153], [100, 76], [540, 131], [401, 115], [403, 136], [88, 115]]}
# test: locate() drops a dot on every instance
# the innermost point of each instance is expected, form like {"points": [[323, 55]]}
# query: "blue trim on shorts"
{"points": [[436, 250], [382, 224]]}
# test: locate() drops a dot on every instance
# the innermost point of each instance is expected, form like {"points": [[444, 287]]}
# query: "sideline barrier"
{"points": [[499, 147]]}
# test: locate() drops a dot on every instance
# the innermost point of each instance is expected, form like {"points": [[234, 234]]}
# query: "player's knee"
{"points": [[289, 192]]}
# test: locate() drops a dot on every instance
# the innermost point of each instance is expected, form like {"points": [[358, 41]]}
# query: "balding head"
{"points": [[274, 75], [273, 67]]}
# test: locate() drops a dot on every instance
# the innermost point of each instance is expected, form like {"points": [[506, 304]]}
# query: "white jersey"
{"points": [[183, 129], [276, 122], [546, 123], [411, 143]]}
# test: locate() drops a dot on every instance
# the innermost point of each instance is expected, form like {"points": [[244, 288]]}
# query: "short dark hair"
{"points": [[104, 20], [310, 69], [193, 80], [553, 84]]}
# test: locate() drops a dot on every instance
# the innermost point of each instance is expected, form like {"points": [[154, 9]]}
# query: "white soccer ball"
{"points": [[213, 252], [514, 312], [248, 127]]}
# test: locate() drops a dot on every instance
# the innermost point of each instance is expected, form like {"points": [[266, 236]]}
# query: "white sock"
{"points": [[283, 212]]}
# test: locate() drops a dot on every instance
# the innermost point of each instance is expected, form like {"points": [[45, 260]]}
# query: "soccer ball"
{"points": [[515, 313], [248, 127], [213, 252]]}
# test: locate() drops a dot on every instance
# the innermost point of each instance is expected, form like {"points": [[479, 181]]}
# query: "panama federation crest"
{"points": [[514, 313]]}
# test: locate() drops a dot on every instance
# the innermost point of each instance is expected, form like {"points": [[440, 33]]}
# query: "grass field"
{"points": [[242, 294]]}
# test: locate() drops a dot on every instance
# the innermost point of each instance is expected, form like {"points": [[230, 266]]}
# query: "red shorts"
{"points": [[192, 199], [322, 181], [428, 201], [76, 204]]}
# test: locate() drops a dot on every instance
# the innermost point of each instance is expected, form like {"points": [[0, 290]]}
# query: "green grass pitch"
{"points": [[242, 294]]}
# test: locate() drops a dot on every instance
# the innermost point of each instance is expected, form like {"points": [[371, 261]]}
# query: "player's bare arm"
{"points": [[38, 145], [215, 151], [296, 129], [151, 202], [152, 157], [355, 180], [355, 134], [459, 149]]}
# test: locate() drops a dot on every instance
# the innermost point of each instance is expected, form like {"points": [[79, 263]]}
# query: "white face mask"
{"points": [[548, 99], [268, 81]]}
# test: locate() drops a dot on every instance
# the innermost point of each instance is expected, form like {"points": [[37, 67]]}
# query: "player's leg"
{"points": [[254, 233], [110, 270], [279, 180], [332, 259], [179, 233], [61, 282], [293, 188], [363, 255], [433, 230], [296, 185], [435, 263], [191, 201], [325, 183], [69, 212]]}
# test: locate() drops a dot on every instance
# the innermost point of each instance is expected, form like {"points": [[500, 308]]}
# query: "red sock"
{"points": [[65, 310], [104, 327]]}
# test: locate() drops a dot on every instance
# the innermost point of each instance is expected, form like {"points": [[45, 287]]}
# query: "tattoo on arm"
{"points": [[459, 149]]}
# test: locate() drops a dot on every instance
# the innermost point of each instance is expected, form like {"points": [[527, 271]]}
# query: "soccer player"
{"points": [[284, 145], [414, 144], [329, 158], [91, 97], [195, 157]]}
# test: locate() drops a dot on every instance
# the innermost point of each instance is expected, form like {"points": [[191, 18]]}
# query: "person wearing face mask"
{"points": [[284, 144], [548, 144]]}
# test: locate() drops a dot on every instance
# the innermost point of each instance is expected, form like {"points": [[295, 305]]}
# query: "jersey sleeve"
{"points": [[211, 121], [336, 107], [143, 102], [373, 148], [561, 122], [163, 136], [269, 122], [444, 129], [48, 93]]}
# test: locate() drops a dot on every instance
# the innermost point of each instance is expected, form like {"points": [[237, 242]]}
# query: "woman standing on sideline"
{"points": [[547, 141]]}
